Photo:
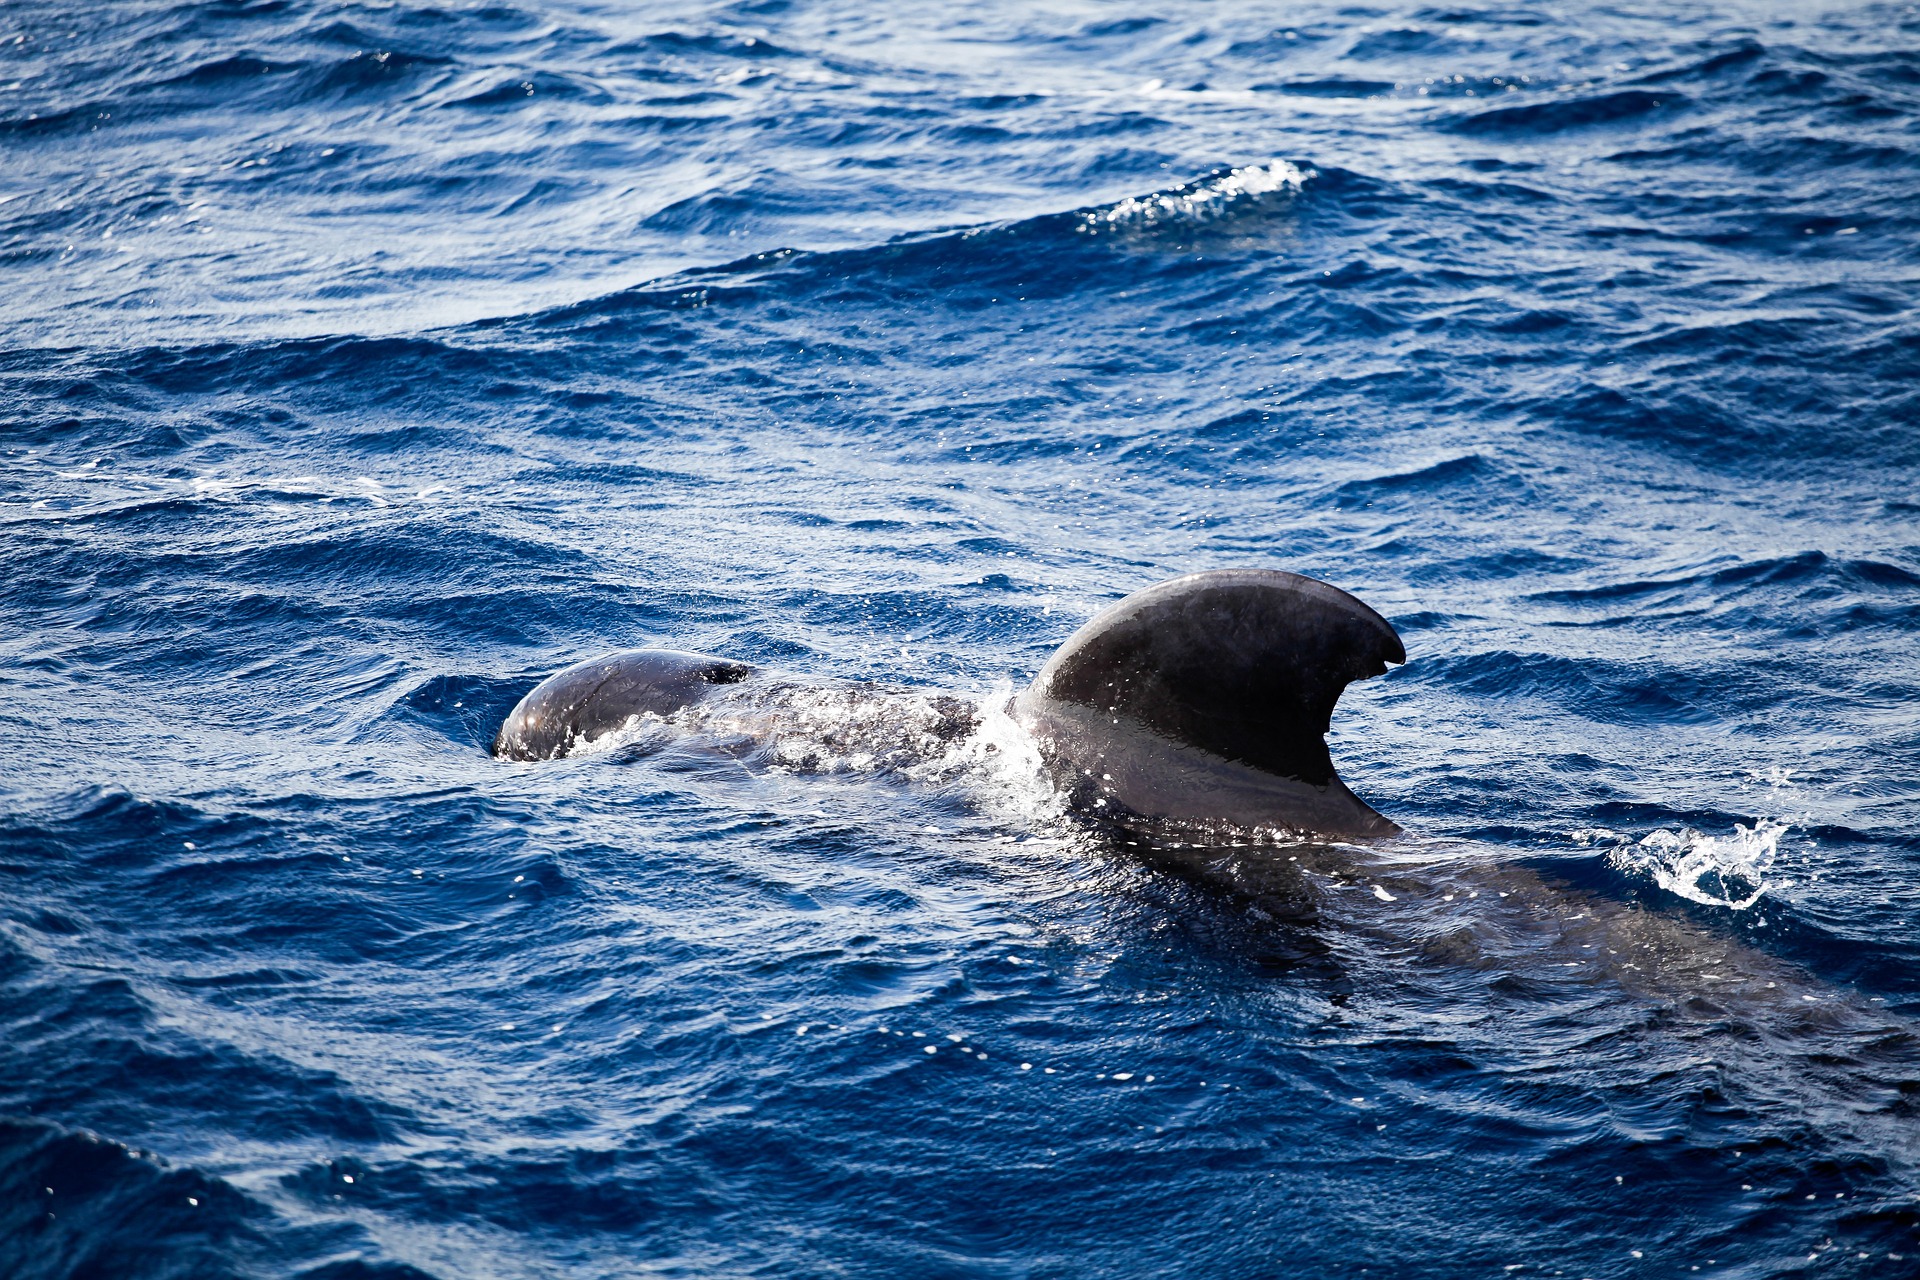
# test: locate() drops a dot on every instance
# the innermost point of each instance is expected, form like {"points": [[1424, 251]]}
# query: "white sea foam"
{"points": [[922, 736], [1195, 201], [1003, 766], [1717, 871]]}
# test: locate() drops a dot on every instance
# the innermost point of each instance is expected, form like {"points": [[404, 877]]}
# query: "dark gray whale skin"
{"points": [[595, 697], [1205, 699]]}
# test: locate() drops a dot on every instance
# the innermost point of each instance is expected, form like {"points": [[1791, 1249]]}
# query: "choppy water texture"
{"points": [[366, 362]]}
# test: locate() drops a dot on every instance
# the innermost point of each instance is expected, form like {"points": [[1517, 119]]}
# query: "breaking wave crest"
{"points": [[1200, 200]]}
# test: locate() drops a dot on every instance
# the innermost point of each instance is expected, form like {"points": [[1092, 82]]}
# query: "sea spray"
{"points": [[1716, 871], [1205, 198]]}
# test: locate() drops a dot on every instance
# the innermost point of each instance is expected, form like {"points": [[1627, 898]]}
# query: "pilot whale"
{"points": [[1188, 723], [1203, 700]]}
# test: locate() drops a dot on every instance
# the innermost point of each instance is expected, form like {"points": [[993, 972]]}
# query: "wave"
{"points": [[1607, 690], [1835, 594], [1037, 256], [1329, 87], [72, 1203], [222, 83], [1743, 50], [1804, 566], [1219, 195], [1561, 114], [75, 1204], [187, 63], [1465, 474]]}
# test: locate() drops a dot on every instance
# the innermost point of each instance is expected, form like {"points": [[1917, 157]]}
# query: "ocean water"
{"points": [[366, 362]]}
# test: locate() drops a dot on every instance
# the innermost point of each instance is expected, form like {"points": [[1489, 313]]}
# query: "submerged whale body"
{"points": [[1205, 699]]}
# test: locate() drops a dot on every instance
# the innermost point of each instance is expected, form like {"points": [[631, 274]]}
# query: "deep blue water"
{"points": [[363, 363]]}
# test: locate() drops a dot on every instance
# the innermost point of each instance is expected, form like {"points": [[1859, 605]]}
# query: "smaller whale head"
{"points": [[593, 698]]}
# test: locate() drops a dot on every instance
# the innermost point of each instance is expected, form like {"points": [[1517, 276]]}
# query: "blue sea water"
{"points": [[365, 362]]}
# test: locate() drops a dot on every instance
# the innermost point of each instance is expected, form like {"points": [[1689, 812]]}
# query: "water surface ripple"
{"points": [[367, 361]]}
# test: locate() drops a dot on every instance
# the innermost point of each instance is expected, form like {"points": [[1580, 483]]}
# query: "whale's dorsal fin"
{"points": [[1237, 665]]}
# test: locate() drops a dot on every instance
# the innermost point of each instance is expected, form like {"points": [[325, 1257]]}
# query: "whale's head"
{"points": [[593, 698]]}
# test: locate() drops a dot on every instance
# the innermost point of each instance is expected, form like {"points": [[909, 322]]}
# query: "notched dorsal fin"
{"points": [[1245, 664]]}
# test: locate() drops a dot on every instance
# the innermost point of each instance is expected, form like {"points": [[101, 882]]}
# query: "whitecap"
{"points": [[1206, 198]]}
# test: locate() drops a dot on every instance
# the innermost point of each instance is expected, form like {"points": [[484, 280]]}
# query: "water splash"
{"points": [[1716, 871], [918, 735], [1205, 198], [1001, 766]]}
